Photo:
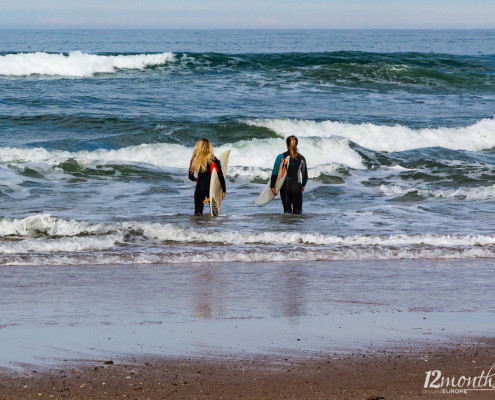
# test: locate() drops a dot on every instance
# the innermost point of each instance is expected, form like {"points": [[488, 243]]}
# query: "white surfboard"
{"points": [[266, 195], [215, 187]]}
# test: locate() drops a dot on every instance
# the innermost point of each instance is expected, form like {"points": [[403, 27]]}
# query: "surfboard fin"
{"points": [[214, 208]]}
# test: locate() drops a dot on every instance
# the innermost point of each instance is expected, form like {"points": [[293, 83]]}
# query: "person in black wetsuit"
{"points": [[202, 163], [297, 177]]}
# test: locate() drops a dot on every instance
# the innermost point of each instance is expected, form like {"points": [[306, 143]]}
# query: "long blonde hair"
{"points": [[202, 155], [292, 146]]}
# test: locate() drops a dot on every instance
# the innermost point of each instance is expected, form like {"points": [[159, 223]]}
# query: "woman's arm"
{"points": [[276, 166], [304, 172]]}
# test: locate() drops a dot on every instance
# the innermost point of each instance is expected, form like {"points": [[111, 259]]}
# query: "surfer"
{"points": [[297, 177], [203, 162]]}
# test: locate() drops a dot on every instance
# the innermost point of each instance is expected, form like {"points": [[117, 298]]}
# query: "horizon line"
{"points": [[247, 29]]}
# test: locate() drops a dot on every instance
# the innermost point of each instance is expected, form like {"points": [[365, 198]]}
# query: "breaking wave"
{"points": [[76, 63], [252, 158], [474, 194], [49, 240], [477, 137], [326, 145], [245, 256]]}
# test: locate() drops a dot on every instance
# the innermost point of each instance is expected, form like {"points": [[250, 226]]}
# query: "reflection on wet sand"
{"points": [[57, 312], [208, 292], [290, 290]]}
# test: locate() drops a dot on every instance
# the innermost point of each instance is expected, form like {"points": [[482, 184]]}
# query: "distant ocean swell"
{"points": [[350, 68], [46, 239]]}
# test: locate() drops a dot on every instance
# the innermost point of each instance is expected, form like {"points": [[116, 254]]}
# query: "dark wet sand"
{"points": [[392, 373]]}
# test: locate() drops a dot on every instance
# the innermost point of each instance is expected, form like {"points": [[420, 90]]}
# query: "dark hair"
{"points": [[292, 146]]}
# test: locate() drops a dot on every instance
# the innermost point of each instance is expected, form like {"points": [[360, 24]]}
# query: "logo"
{"points": [[435, 382]]}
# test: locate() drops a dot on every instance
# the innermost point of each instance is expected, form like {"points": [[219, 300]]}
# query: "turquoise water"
{"points": [[97, 129]]}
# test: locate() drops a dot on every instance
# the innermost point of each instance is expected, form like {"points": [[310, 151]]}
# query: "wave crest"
{"points": [[76, 63], [49, 226], [246, 256], [43, 239], [473, 194], [477, 137], [250, 158], [46, 225]]}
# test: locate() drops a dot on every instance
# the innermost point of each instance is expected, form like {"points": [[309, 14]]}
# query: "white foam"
{"points": [[251, 158], [65, 244], [76, 63], [324, 144], [476, 137], [401, 168], [265, 173], [43, 239], [325, 255], [246, 256], [474, 194], [46, 225], [261, 153], [175, 233], [161, 155], [19, 155]]}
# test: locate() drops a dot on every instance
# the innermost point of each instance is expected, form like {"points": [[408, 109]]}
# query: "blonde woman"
{"points": [[203, 162], [297, 177]]}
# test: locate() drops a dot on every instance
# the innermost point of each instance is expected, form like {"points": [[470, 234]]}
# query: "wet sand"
{"points": [[343, 330], [380, 374]]}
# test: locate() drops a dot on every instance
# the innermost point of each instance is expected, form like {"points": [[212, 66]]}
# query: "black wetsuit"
{"points": [[297, 177], [202, 191]]}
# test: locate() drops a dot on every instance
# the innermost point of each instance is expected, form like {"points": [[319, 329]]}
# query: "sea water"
{"points": [[97, 129]]}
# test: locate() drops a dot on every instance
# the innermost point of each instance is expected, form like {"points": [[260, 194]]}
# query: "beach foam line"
{"points": [[254, 255], [477, 137], [76, 63], [473, 194], [170, 232], [52, 227], [61, 245], [46, 225]]}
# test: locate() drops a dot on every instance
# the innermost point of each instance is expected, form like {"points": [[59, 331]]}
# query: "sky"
{"points": [[245, 14]]}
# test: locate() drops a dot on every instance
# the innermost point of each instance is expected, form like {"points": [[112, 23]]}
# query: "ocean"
{"points": [[97, 129], [97, 235]]}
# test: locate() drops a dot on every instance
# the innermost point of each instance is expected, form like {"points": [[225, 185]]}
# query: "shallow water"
{"points": [[54, 313]]}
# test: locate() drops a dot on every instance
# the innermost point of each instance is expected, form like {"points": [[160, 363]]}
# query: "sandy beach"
{"points": [[380, 374]]}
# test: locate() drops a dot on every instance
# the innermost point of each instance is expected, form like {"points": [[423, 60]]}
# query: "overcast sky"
{"points": [[209, 14]]}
